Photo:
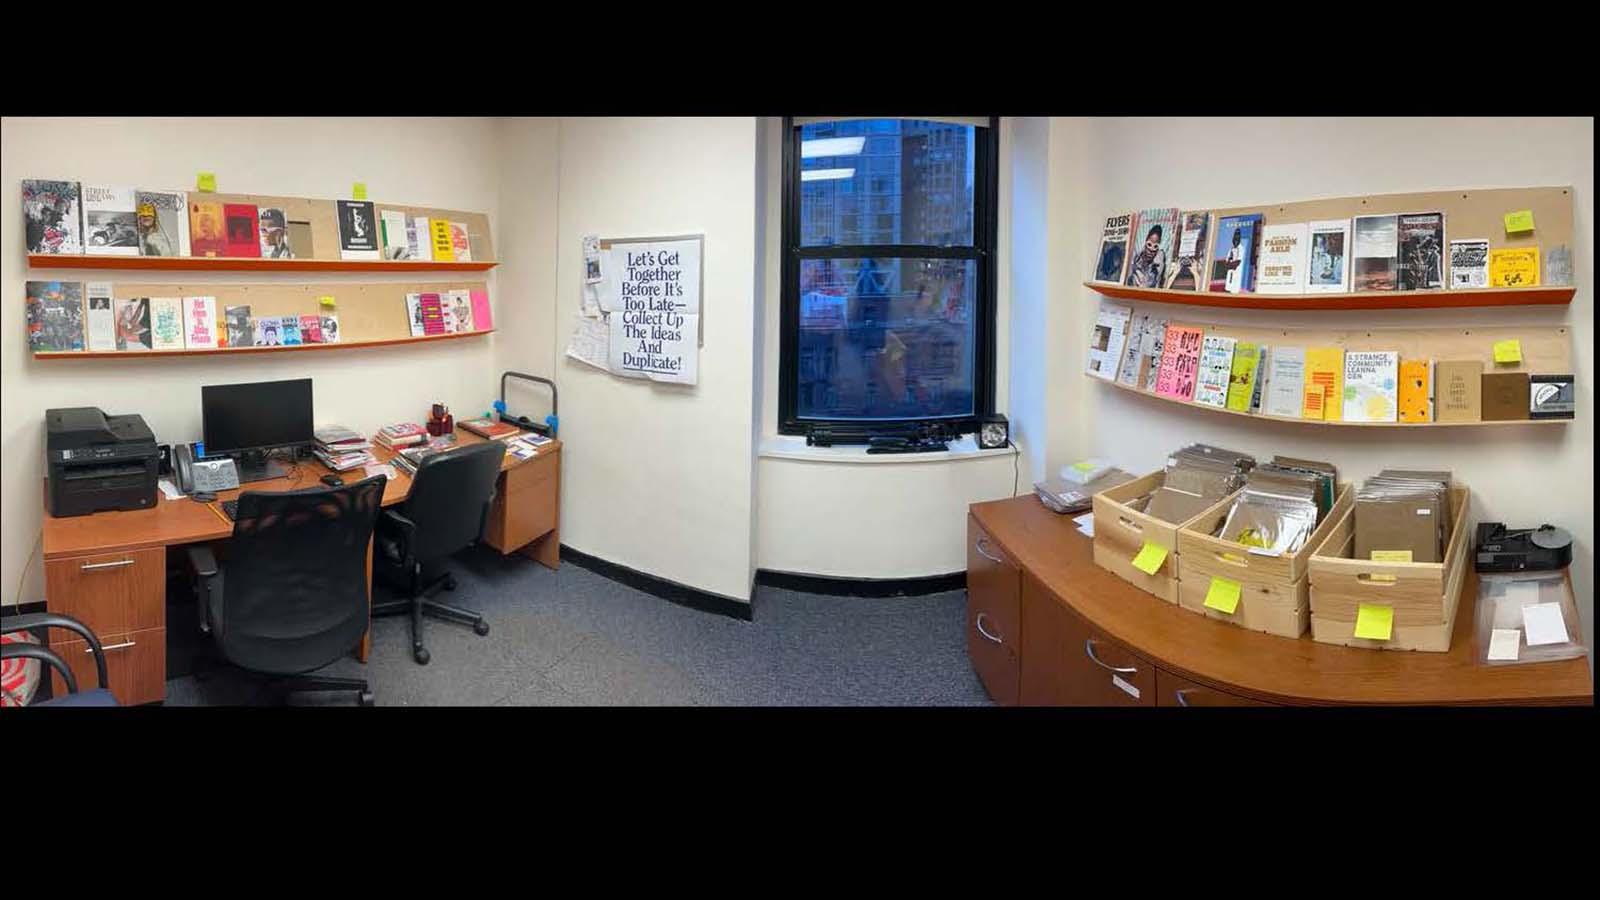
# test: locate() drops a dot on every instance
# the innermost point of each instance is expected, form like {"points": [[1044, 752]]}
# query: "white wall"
{"points": [[1523, 476], [660, 478], [449, 163], [527, 339]]}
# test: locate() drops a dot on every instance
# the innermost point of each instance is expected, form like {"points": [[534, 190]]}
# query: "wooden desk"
{"points": [[1032, 578], [109, 569]]}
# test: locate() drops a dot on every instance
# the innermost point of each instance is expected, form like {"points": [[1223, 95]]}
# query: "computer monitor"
{"points": [[247, 420]]}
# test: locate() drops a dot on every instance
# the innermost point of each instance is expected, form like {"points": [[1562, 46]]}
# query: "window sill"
{"points": [[794, 447]]}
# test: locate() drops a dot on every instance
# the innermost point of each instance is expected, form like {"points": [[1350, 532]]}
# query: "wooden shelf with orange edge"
{"points": [[291, 348], [1538, 295], [1266, 418], [246, 264]]}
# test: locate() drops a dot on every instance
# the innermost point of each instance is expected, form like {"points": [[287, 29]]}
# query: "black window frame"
{"points": [[985, 225]]}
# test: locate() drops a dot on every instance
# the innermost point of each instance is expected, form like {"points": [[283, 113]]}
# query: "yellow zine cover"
{"points": [[1242, 380], [1414, 391], [443, 245], [1325, 367], [1514, 267]]}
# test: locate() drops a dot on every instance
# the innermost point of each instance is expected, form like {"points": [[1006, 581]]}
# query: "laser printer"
{"points": [[97, 462]]}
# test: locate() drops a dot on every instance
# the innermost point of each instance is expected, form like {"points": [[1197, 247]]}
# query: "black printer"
{"points": [[97, 462]]}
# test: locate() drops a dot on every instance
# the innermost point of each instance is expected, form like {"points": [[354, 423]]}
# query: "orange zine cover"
{"points": [[1413, 399]]}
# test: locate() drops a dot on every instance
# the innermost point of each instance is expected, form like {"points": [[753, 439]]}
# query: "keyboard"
{"points": [[231, 507]]}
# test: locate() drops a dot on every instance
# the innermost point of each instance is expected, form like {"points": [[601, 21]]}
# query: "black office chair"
{"points": [[38, 622], [292, 597], [446, 510]]}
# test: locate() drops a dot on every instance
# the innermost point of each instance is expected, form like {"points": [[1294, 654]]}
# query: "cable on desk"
{"points": [[22, 579]]}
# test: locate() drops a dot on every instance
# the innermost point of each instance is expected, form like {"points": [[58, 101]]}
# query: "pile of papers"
{"points": [[341, 449], [1403, 516], [403, 434], [408, 459], [1281, 505], [1197, 477], [1066, 496], [525, 445]]}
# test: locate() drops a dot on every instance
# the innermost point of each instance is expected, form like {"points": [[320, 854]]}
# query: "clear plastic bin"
{"points": [[1501, 599]]}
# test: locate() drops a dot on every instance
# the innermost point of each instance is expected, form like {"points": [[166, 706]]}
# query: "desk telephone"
{"points": [[202, 475]]}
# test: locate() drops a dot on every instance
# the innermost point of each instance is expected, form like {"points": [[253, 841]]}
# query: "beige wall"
{"points": [[1523, 476], [450, 163]]}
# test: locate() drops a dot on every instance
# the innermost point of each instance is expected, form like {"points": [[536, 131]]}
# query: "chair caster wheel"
{"points": [[449, 584], [367, 699], [420, 654], [482, 628]]}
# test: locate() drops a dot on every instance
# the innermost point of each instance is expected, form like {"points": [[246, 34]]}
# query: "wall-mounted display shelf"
{"points": [[293, 348], [1527, 296], [1468, 215], [236, 264], [1545, 350]]}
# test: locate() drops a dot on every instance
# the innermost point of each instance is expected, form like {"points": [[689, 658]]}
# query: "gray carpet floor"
{"points": [[573, 637]]}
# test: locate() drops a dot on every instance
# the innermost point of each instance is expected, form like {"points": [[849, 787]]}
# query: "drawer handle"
{"points": [[984, 631], [109, 647], [1088, 647], [1181, 699], [89, 567], [1129, 524], [981, 543]]}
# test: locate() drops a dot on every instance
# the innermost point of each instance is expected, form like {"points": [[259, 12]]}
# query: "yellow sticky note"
{"points": [[1391, 556], [326, 300], [207, 182], [1519, 221], [1508, 351], [1149, 558], [1223, 595], [1375, 623], [1084, 466], [358, 191]]}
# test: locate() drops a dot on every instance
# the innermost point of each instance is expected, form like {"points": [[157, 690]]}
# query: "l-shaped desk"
{"points": [[109, 569]]}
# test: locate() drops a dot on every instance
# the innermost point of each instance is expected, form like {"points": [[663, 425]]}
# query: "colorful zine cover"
{"points": [[289, 331], [1106, 339], [1242, 378], [243, 229], [110, 220], [274, 231], [267, 331], [432, 311], [163, 223], [358, 230], [1216, 365], [1180, 363], [482, 317], [1416, 396], [1128, 369], [1469, 263], [311, 329], [460, 242], [330, 329], [101, 321], [1284, 391], [239, 330], [207, 236], [1112, 260], [166, 323], [1325, 372], [1514, 267], [459, 304], [1371, 385], [1283, 259], [55, 316], [414, 314], [133, 324], [1377, 253], [419, 239], [1154, 342], [199, 322], [1233, 254], [1328, 271], [1421, 251], [1150, 247], [393, 225], [443, 243], [52, 216], [1188, 273]]}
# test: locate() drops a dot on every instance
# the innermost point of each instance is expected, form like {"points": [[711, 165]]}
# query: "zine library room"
{"points": [[797, 411]]}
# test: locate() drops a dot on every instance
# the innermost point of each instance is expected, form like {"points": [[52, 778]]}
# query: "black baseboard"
{"points": [[22, 609], [670, 591], [862, 587]]}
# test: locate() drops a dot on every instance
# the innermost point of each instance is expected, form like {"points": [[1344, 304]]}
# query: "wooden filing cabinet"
{"points": [[1066, 661], [1171, 690], [526, 503], [994, 616], [122, 598]]}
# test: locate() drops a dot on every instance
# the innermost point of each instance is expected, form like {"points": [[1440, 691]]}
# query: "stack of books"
{"points": [[408, 459], [341, 449], [489, 428], [526, 445], [400, 435]]}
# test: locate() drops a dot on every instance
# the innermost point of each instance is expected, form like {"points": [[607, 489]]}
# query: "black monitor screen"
{"points": [[255, 416]]}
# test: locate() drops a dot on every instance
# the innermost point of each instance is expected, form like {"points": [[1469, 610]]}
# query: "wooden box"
{"points": [[1120, 531], [1425, 596], [1274, 594]]}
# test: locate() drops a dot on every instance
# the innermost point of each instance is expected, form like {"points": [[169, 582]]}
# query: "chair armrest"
{"points": [[394, 519], [40, 621], [204, 563], [43, 654], [203, 560]]}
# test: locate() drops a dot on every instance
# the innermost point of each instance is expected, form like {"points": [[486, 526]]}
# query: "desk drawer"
{"points": [[136, 665], [112, 593], [525, 505]]}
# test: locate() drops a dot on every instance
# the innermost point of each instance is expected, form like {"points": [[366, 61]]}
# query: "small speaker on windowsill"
{"points": [[994, 432]]}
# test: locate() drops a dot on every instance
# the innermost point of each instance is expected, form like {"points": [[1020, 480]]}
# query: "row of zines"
{"points": [[1165, 248], [64, 217], [65, 316], [1327, 384]]}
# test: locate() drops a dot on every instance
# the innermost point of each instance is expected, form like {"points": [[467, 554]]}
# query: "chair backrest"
{"points": [[450, 497], [294, 596]]}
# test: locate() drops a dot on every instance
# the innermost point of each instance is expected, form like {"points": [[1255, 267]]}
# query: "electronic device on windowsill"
{"points": [[905, 445]]}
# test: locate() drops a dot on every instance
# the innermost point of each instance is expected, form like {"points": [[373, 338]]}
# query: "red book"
{"points": [[311, 329], [490, 429], [432, 314], [243, 230]]}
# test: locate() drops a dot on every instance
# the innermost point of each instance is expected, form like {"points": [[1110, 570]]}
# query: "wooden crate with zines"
{"points": [[1121, 531]]}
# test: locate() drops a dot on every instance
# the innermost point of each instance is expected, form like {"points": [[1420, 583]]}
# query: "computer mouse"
{"points": [[332, 480]]}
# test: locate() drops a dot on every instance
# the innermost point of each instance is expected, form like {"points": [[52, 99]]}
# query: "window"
{"points": [[888, 275]]}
